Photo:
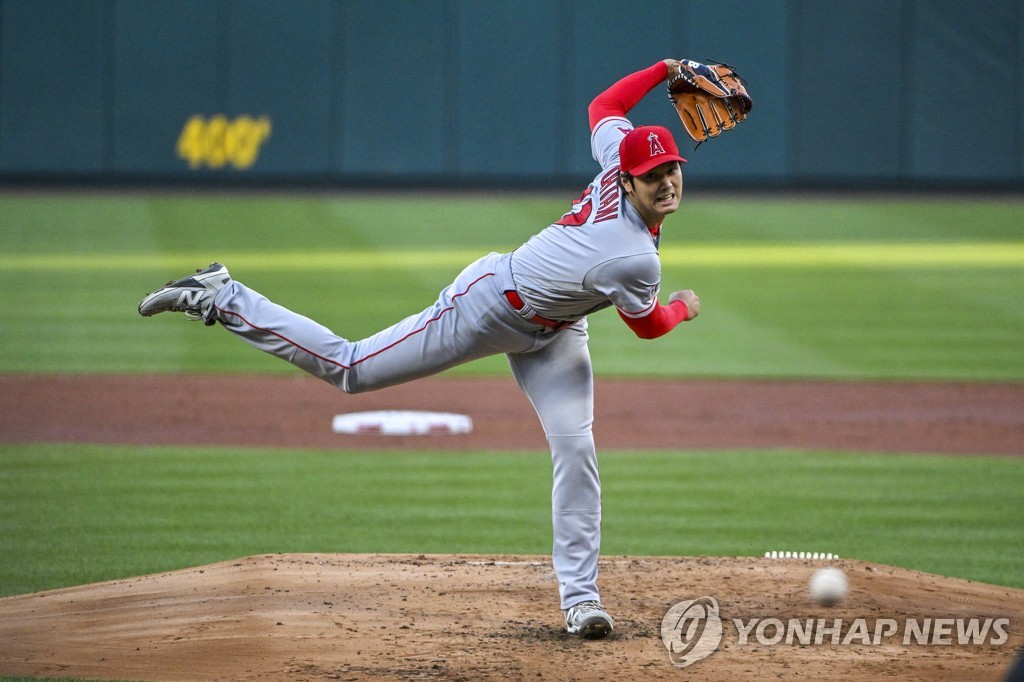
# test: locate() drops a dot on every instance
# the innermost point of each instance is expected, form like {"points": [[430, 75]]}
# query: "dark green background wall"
{"points": [[894, 93]]}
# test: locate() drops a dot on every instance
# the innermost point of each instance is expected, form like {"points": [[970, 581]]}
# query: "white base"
{"points": [[402, 423]]}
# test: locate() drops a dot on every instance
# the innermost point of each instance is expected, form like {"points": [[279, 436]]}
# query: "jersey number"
{"points": [[581, 210]]}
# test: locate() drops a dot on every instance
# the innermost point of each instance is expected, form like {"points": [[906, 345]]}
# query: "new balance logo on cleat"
{"points": [[189, 299]]}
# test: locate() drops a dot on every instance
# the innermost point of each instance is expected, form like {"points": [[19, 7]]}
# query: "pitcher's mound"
{"points": [[353, 617]]}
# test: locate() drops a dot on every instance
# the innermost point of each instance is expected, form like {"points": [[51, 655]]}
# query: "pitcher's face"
{"points": [[656, 193]]}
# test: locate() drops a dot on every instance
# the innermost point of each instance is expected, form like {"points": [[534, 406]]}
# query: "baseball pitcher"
{"points": [[531, 304]]}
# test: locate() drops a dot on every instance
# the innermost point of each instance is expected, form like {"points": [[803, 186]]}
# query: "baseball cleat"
{"points": [[589, 620], [192, 295]]}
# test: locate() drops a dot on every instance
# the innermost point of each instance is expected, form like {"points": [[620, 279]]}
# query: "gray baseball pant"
{"points": [[470, 320]]}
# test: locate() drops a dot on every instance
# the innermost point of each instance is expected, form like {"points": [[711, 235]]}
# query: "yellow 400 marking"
{"points": [[219, 141]]}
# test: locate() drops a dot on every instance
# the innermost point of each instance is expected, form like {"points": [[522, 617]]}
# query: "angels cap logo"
{"points": [[656, 147], [691, 631]]}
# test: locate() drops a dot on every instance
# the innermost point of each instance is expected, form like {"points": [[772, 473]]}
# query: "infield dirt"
{"points": [[394, 617], [296, 411]]}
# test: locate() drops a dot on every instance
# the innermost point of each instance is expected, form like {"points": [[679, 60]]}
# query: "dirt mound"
{"points": [[352, 617]]}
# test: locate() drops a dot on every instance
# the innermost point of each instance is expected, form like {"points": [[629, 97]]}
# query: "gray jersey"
{"points": [[599, 254]]}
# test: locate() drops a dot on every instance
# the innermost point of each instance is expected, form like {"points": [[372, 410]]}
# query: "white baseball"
{"points": [[828, 586]]}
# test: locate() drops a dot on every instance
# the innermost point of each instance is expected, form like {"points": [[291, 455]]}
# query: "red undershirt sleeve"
{"points": [[661, 320], [626, 93]]}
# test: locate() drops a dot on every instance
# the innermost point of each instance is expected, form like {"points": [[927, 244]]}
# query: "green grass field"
{"points": [[81, 514], [876, 288], [862, 288]]}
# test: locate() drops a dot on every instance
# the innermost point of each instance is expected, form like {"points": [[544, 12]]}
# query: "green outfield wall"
{"points": [[872, 93]]}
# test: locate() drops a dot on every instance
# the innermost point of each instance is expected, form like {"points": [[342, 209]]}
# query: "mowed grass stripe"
{"points": [[804, 255], [74, 514]]}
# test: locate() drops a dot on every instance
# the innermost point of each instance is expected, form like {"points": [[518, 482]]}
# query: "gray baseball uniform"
{"points": [[530, 304]]}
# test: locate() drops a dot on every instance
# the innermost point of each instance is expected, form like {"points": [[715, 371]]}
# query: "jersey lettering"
{"points": [[581, 210], [608, 206]]}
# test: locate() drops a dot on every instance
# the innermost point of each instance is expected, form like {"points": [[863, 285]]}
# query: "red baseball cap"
{"points": [[645, 147]]}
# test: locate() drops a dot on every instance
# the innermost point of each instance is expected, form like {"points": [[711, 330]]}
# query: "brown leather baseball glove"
{"points": [[709, 98]]}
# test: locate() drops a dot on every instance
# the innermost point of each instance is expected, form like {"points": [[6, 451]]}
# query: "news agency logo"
{"points": [[691, 631]]}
